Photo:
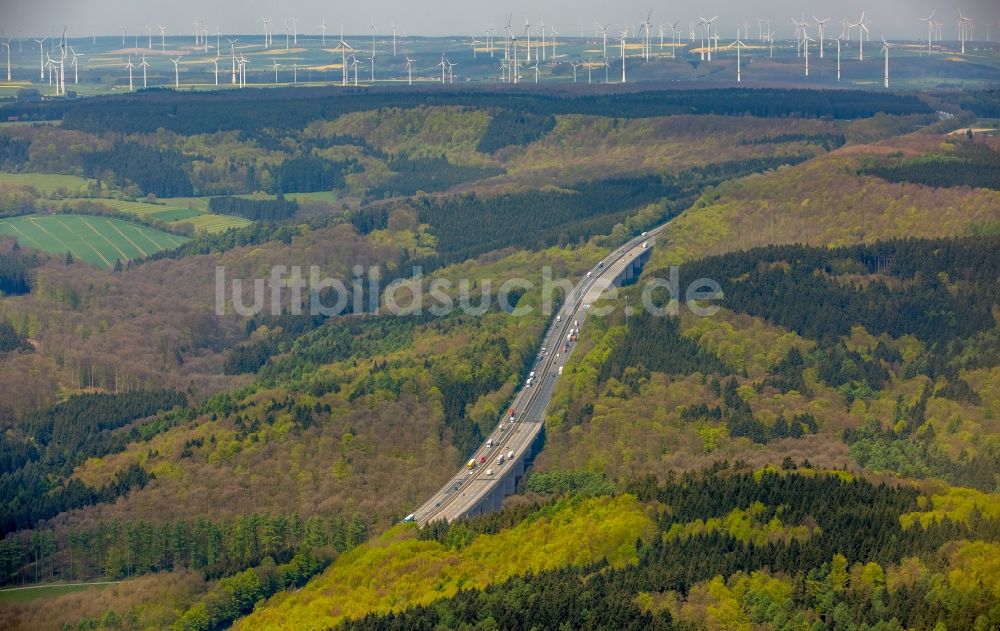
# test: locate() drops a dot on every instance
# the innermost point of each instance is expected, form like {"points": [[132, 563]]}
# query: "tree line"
{"points": [[255, 209], [281, 109], [412, 175], [967, 164], [154, 170], [13, 152], [116, 549], [15, 270], [513, 127], [307, 174]]}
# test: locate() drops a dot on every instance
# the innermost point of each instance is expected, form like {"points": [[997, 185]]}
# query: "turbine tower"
{"points": [[862, 32], [177, 76], [130, 66], [41, 58], [964, 24], [7, 44], [930, 26], [145, 64], [821, 25], [885, 49], [739, 46]]}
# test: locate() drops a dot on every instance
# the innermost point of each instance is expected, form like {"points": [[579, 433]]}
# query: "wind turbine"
{"points": [[646, 25], [243, 70], [805, 46], [394, 29], [930, 25], [963, 24], [838, 40], [149, 37], [574, 65], [701, 49], [590, 67], [267, 32], [124, 34], [862, 31], [739, 46], [7, 44], [216, 62], [409, 70], [177, 76], [163, 38], [624, 34], [800, 32], [527, 35], [41, 58], [372, 27], [675, 36], [344, 47], [354, 64], [295, 31], [604, 34], [232, 50], [145, 64], [372, 58], [821, 25], [322, 27], [130, 66], [274, 64], [885, 49], [708, 26], [535, 67], [542, 31]]}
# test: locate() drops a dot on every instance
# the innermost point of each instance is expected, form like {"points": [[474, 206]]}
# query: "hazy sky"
{"points": [[895, 18]]}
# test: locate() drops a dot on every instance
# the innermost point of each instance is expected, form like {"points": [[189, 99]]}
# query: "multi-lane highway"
{"points": [[469, 488]]}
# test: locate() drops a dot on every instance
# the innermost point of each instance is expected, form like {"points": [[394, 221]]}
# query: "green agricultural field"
{"points": [[96, 240], [217, 223], [175, 210], [45, 183]]}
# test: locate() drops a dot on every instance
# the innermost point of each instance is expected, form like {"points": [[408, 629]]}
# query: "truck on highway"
{"points": [[510, 455], [500, 460], [489, 472], [471, 464]]}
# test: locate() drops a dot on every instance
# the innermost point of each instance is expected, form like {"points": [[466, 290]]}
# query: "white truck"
{"points": [[560, 370], [510, 455], [500, 460]]}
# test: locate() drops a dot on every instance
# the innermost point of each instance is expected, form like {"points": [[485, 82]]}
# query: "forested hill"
{"points": [[274, 109]]}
